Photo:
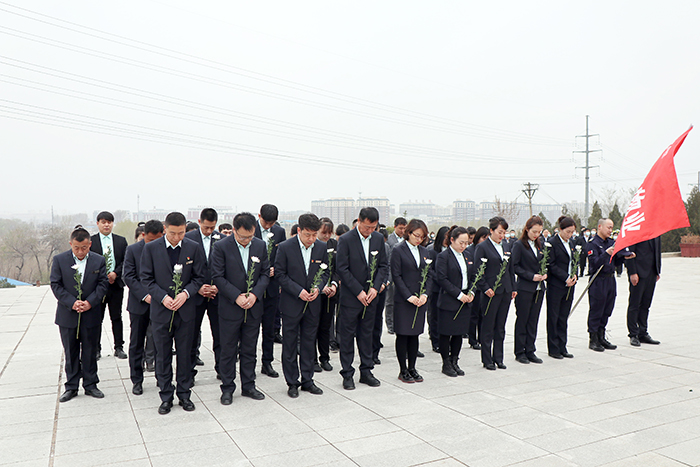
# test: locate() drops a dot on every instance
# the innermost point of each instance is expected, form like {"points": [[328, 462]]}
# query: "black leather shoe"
{"points": [[94, 392], [253, 394], [293, 392], [317, 368], [558, 356], [377, 361], [187, 405], [534, 358], [165, 407], [490, 366], [607, 345], [522, 359], [218, 376], [369, 379], [415, 375], [348, 383], [150, 367], [326, 366], [227, 398], [119, 353], [137, 389], [646, 339], [278, 338], [313, 389], [476, 346], [634, 341], [501, 365], [68, 395], [406, 377], [420, 354], [269, 371], [199, 362], [566, 354]]}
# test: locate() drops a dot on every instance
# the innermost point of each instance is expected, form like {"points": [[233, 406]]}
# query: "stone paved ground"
{"points": [[629, 407]]}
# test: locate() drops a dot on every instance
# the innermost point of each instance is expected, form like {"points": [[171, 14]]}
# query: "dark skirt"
{"points": [[404, 314], [450, 326]]}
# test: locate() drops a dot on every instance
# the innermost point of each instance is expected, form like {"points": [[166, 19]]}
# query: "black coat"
{"points": [[648, 259], [292, 276], [120, 245], [279, 235], [449, 276], [196, 236], [525, 265], [354, 270], [407, 278], [486, 250], [558, 264], [132, 278]]}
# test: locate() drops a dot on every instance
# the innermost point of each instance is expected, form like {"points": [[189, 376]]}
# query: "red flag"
{"points": [[657, 206]]}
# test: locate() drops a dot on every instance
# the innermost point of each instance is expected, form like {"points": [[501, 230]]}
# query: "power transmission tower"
{"points": [[587, 167], [529, 190]]}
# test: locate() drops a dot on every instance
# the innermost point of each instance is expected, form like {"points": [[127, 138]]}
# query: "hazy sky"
{"points": [[242, 103]]}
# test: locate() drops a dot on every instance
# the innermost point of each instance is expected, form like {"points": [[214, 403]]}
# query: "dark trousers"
{"points": [[137, 344], [389, 307], [640, 299], [582, 263], [212, 309], [558, 309], [150, 346], [298, 346], [493, 327], [378, 325], [527, 312], [270, 305], [450, 346], [182, 332], [350, 321], [475, 320], [433, 313], [113, 300], [238, 333], [601, 299], [325, 323], [406, 351], [81, 352]]}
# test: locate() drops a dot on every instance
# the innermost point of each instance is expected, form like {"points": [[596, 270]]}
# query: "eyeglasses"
{"points": [[418, 237]]}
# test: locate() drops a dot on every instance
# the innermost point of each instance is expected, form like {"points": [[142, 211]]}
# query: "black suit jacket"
{"points": [[230, 276], [486, 250], [525, 265], [406, 275], [132, 278], [648, 260], [63, 284], [196, 236], [120, 245], [157, 277], [559, 260], [353, 269], [291, 273], [273, 288], [449, 276]]}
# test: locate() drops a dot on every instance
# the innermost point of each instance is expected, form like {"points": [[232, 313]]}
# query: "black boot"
{"points": [[447, 367], [456, 367], [593, 343], [604, 342]]}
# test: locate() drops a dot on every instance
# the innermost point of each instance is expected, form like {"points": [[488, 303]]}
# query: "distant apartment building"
{"points": [[345, 210], [225, 213], [463, 211]]}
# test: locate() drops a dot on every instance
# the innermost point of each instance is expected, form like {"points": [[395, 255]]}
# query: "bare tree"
{"points": [[507, 210]]}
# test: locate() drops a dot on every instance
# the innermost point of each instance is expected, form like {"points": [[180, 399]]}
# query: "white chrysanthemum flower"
{"points": [[216, 236], [177, 269], [548, 245], [484, 260], [578, 247], [255, 259], [270, 235], [324, 266], [374, 253], [428, 261], [330, 250], [75, 266]]}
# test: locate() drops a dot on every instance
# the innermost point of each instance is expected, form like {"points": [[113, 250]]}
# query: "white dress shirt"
{"points": [[306, 254], [107, 243], [365, 243], [81, 266], [463, 266]]}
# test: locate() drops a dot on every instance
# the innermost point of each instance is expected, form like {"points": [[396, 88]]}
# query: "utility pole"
{"points": [[530, 189], [588, 166]]}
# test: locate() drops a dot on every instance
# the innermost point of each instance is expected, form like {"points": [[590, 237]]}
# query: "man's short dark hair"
{"points": [[106, 215], [293, 230], [269, 212], [385, 234], [191, 226], [176, 219], [400, 221], [138, 232], [80, 235], [309, 222], [209, 215], [471, 230], [153, 227], [225, 226], [341, 229], [369, 214], [244, 220]]}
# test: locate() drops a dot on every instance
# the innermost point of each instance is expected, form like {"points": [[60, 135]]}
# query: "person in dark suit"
{"points": [[408, 261], [643, 271], [360, 252], [113, 247], [381, 302], [582, 240], [328, 300], [434, 249], [481, 234], [206, 300], [299, 262], [139, 303], [395, 238], [526, 255], [241, 272], [78, 311], [272, 234], [453, 304], [560, 279], [173, 306], [494, 302]]}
